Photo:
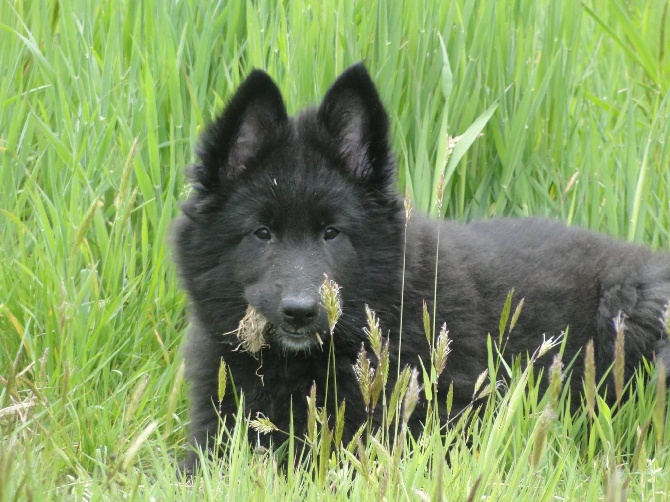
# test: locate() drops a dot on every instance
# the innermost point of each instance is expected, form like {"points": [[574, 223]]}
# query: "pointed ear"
{"points": [[354, 116], [248, 127]]}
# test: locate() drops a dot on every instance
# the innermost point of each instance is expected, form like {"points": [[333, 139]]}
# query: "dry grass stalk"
{"points": [[252, 330]]}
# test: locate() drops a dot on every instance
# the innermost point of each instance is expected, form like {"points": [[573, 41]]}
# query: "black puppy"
{"points": [[280, 202]]}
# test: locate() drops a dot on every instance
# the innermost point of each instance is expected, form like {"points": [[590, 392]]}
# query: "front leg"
{"points": [[203, 354]]}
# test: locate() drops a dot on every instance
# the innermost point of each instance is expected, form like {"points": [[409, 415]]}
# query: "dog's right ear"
{"points": [[243, 133]]}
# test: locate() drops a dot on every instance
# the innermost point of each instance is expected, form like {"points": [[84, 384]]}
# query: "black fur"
{"points": [[280, 201]]}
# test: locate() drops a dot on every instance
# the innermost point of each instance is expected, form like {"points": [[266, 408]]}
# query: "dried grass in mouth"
{"points": [[252, 330]]}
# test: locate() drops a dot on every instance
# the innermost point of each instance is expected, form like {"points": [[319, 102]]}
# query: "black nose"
{"points": [[299, 311]]}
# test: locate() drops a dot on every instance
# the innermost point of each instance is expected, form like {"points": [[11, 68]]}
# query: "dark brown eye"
{"points": [[263, 234], [330, 233]]}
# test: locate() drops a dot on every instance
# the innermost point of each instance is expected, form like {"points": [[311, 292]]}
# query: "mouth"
{"points": [[296, 340]]}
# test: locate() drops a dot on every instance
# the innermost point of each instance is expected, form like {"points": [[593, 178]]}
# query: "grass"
{"points": [[563, 109]]}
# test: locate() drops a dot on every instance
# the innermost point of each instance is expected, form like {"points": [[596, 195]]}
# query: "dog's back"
{"points": [[570, 279]]}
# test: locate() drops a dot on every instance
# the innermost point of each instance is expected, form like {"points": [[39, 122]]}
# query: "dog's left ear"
{"points": [[354, 116]]}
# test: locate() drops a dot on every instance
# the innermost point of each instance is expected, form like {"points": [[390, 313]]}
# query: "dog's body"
{"points": [[281, 201]]}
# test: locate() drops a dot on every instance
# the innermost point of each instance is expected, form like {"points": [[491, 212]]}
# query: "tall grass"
{"points": [[563, 110]]}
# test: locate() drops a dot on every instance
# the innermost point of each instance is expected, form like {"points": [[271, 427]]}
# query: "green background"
{"points": [[562, 109]]}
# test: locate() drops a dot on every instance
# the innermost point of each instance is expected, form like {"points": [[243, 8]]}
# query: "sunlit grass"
{"points": [[563, 109]]}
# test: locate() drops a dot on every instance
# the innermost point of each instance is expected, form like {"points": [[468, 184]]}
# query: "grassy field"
{"points": [[562, 108]]}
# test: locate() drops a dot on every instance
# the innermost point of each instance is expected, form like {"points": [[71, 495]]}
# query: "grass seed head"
{"points": [[440, 194], [380, 376], [311, 414], [590, 379], [330, 298], [619, 355], [365, 375], [86, 222], [373, 331], [222, 379], [555, 382], [515, 315], [441, 350], [540, 437], [659, 413], [480, 381], [665, 319], [262, 424], [411, 396], [547, 345], [408, 206]]}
